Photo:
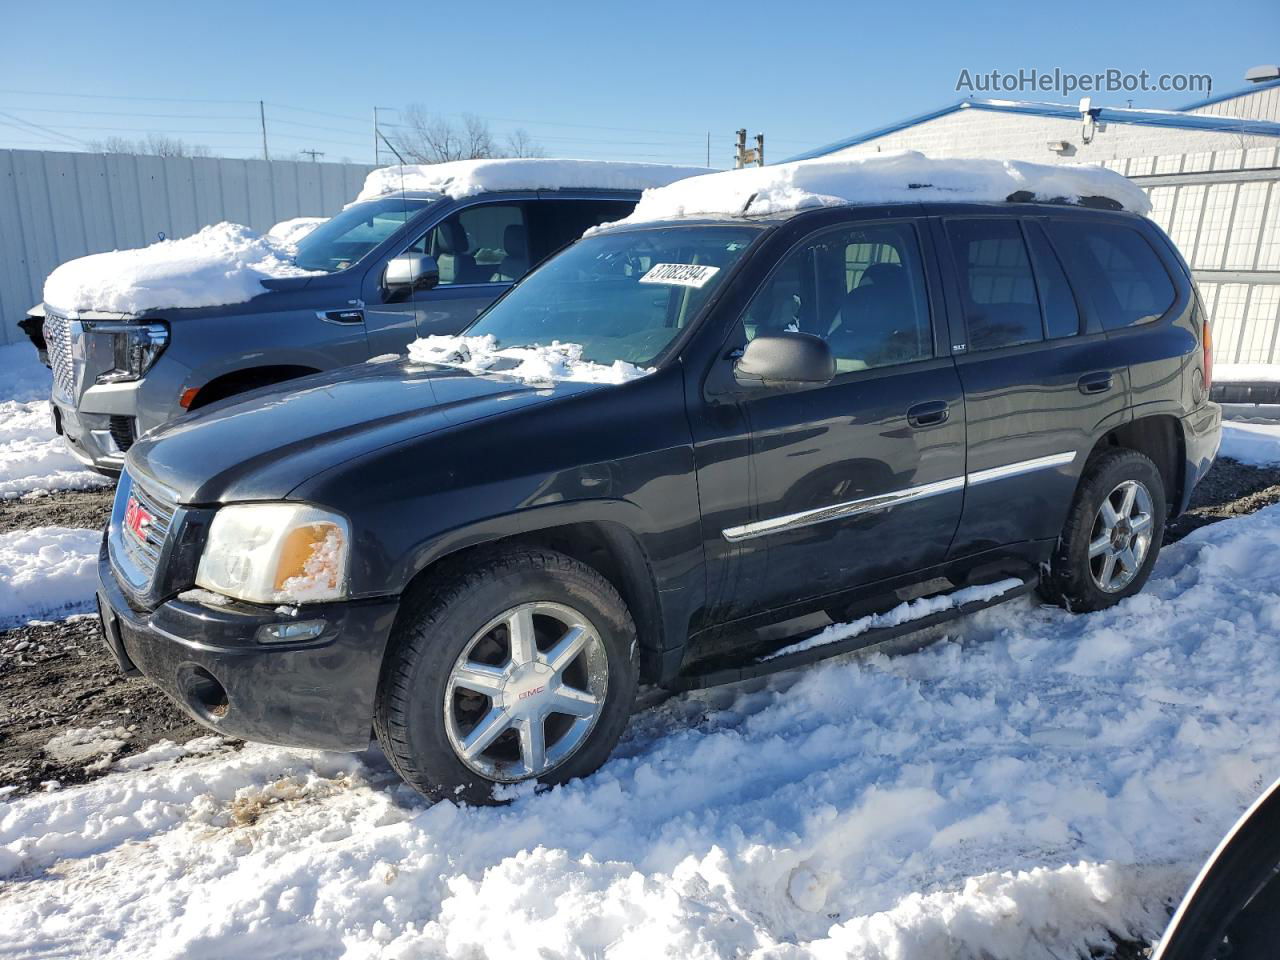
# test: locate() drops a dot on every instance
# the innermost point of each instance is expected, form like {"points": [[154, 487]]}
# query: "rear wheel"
{"points": [[1112, 535], [520, 667]]}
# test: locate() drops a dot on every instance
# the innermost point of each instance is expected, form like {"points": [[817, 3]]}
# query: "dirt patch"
{"points": [[1229, 489], [59, 676], [88, 509]]}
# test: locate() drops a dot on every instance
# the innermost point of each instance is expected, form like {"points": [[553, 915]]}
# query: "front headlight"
{"points": [[276, 553], [134, 347]]}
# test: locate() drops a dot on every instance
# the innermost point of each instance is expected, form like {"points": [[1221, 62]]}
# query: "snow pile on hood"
{"points": [[289, 232], [1013, 792], [223, 263], [907, 176], [466, 178], [544, 363]]}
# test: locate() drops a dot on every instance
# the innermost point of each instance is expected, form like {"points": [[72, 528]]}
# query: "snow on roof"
{"points": [[466, 178], [223, 263], [906, 176]]}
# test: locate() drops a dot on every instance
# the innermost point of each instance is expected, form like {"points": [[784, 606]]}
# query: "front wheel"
{"points": [[1112, 535], [520, 666]]}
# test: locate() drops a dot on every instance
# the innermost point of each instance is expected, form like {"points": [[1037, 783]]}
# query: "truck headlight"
{"points": [[276, 553], [133, 346]]}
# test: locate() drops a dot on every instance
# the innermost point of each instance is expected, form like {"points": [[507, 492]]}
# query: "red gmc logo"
{"points": [[532, 692], [137, 519]]}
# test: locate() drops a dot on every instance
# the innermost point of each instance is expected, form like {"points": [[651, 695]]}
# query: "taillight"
{"points": [[1206, 343]]}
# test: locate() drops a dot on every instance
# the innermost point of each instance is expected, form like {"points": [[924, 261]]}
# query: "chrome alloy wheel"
{"points": [[1121, 536], [526, 691]]}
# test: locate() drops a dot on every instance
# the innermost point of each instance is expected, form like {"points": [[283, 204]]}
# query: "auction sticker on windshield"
{"points": [[680, 274]]}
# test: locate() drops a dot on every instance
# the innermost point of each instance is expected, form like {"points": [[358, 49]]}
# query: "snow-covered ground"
{"points": [[1253, 443], [1012, 791], [47, 572], [32, 457]]}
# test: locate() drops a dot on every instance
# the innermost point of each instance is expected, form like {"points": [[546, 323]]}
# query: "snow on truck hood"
{"points": [[466, 178], [901, 177], [539, 363], [223, 263]]}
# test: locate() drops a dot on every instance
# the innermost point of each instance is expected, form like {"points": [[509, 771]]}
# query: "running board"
{"points": [[869, 638]]}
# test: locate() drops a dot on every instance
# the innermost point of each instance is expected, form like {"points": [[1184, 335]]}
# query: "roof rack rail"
{"points": [[1093, 203]]}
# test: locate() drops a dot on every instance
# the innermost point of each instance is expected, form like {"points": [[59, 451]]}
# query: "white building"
{"points": [[1211, 169]]}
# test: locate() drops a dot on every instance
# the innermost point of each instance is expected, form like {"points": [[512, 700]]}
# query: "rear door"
{"points": [[1040, 381], [863, 478]]}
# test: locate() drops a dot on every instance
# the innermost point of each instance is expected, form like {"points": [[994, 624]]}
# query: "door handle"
{"points": [[1095, 382], [928, 414], [347, 316]]}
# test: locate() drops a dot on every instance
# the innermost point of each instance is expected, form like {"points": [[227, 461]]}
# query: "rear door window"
{"points": [[556, 223], [997, 286], [1061, 315], [1115, 267]]}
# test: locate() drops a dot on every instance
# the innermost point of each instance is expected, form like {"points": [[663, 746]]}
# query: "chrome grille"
{"points": [[57, 337], [140, 558]]}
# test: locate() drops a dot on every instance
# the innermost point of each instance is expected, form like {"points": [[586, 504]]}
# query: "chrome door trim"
{"points": [[884, 501], [1020, 467], [839, 511]]}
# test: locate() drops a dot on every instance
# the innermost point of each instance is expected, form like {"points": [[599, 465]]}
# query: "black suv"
{"points": [[840, 409]]}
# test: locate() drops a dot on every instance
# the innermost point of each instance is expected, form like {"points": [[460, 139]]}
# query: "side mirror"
{"points": [[411, 271], [785, 361]]}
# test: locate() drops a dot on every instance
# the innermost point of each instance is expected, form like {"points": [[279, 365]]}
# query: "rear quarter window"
{"points": [[1116, 270]]}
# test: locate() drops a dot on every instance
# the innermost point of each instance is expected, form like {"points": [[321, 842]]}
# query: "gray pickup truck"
{"points": [[396, 267]]}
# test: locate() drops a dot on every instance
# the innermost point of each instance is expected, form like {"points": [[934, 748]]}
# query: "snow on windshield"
{"points": [[466, 178], [907, 176], [291, 231], [223, 263], [543, 363]]}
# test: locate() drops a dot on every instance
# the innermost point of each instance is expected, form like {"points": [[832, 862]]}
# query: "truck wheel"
{"points": [[520, 666], [1112, 535]]}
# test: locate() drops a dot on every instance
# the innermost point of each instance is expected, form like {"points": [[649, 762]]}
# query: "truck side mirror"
{"points": [[411, 271], [785, 361]]}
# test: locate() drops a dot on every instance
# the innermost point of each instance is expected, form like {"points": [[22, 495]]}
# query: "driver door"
{"points": [[863, 478], [480, 249]]}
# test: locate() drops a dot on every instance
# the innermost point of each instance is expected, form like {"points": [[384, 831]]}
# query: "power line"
{"points": [[110, 96]]}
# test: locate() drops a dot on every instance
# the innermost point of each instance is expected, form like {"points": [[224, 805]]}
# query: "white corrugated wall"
{"points": [[56, 206]]}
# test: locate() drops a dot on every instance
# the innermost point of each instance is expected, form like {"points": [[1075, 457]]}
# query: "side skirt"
{"points": [[759, 668]]}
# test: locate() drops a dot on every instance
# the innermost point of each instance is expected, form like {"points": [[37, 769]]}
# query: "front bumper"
{"points": [[319, 693], [1201, 435], [89, 438]]}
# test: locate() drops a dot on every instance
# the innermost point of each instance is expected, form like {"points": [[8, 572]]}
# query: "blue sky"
{"points": [[600, 79]]}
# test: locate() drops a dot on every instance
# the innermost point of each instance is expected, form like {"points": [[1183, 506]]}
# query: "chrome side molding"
{"points": [[884, 501]]}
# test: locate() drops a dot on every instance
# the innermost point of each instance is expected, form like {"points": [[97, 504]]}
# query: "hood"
{"points": [[260, 445]]}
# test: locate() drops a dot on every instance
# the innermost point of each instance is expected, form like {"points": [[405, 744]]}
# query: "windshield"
{"points": [[338, 243], [622, 296]]}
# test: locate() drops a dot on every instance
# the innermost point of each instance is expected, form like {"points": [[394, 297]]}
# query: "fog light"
{"points": [[290, 632]]}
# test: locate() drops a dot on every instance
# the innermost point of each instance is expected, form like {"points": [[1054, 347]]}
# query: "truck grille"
{"points": [[137, 559], [57, 335]]}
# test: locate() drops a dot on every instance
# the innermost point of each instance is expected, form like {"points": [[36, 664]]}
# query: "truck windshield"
{"points": [[338, 243], [621, 295]]}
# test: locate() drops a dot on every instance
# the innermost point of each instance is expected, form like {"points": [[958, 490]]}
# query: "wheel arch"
{"points": [[1158, 437], [247, 378], [609, 547]]}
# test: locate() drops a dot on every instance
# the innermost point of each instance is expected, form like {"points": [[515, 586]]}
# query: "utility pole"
{"points": [[375, 136], [313, 154], [262, 115], [753, 157], [708, 148]]}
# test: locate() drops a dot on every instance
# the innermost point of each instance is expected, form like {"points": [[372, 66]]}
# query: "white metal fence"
{"points": [[1222, 209], [56, 206]]}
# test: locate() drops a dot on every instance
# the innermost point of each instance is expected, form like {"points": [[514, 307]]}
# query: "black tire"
{"points": [[1070, 580], [435, 628]]}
